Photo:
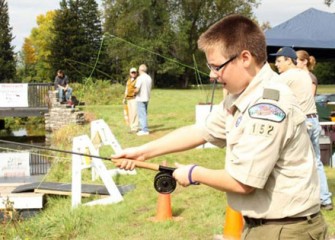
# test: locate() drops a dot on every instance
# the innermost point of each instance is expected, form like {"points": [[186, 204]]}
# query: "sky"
{"points": [[23, 13]]}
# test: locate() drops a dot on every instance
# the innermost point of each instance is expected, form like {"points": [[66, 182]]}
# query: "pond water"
{"points": [[20, 132]]}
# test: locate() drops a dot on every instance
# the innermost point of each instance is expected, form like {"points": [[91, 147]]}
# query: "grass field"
{"points": [[201, 209], [326, 89]]}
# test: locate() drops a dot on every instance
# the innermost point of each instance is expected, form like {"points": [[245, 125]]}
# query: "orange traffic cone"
{"points": [[164, 210], [233, 226]]}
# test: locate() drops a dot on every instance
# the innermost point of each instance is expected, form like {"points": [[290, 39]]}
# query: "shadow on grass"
{"points": [[159, 128], [178, 212]]}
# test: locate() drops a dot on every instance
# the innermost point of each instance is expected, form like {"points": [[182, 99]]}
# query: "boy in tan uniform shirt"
{"points": [[270, 175]]}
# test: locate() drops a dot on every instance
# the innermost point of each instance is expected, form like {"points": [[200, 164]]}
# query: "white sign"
{"points": [[14, 164], [14, 95]]}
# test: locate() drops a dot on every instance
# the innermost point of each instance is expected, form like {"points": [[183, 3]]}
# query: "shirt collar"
{"points": [[243, 100]]}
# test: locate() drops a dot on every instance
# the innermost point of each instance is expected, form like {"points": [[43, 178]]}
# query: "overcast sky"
{"points": [[23, 13], [279, 11]]}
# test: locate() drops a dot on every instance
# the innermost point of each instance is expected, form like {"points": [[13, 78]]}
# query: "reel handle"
{"points": [[163, 182]]}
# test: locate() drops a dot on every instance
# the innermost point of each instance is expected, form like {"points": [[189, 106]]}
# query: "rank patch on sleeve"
{"points": [[267, 111]]}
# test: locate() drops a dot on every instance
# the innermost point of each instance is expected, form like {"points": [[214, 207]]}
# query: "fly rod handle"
{"points": [[140, 164]]}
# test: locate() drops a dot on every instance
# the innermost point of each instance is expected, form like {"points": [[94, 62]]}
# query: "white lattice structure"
{"points": [[101, 135], [83, 145]]}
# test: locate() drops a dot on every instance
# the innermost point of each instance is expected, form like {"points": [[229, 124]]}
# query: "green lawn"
{"points": [[201, 209], [326, 89]]}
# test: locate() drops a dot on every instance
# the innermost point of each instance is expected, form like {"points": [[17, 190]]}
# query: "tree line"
{"points": [[89, 43]]}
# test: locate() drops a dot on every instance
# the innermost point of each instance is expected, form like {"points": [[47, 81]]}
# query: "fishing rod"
{"points": [[213, 91], [163, 182], [53, 149]]}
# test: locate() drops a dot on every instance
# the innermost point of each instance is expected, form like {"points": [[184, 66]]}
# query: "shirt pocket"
{"points": [[234, 136]]}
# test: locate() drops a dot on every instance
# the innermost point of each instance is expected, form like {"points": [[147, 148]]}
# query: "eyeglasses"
{"points": [[218, 68], [133, 72]]}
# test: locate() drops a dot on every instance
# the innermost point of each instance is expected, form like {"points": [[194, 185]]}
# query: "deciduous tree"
{"points": [[144, 31], [36, 50]]}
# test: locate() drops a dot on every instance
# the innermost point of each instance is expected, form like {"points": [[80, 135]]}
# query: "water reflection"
{"points": [[22, 166], [19, 133]]}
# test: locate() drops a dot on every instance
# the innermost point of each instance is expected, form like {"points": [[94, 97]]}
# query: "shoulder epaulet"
{"points": [[271, 94]]}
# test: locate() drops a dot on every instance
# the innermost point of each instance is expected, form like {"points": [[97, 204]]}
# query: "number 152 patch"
{"points": [[262, 129]]}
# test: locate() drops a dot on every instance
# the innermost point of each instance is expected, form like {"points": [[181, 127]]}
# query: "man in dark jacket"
{"points": [[62, 85]]}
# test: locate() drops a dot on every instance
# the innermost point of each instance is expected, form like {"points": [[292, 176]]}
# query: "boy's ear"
{"points": [[246, 58]]}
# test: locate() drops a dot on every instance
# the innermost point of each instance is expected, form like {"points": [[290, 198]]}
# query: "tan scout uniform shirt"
{"points": [[268, 148], [301, 85]]}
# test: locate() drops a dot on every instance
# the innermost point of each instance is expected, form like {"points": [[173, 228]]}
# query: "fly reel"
{"points": [[164, 182]]}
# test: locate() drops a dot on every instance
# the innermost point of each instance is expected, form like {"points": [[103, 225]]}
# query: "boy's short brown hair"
{"points": [[232, 35]]}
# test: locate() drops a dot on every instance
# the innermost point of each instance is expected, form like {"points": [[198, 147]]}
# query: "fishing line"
{"points": [[98, 56], [167, 58], [212, 98], [213, 91], [198, 77], [73, 67], [197, 71], [87, 65], [152, 52], [94, 68], [45, 176]]}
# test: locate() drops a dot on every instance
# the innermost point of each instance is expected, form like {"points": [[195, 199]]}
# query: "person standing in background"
{"points": [[143, 89], [307, 63], [301, 85], [129, 100]]}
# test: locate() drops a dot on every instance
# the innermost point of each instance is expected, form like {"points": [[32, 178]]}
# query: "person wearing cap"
{"points": [[129, 99], [269, 174], [143, 89], [301, 85]]}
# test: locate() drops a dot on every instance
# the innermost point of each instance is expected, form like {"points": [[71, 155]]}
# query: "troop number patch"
{"points": [[267, 111]]}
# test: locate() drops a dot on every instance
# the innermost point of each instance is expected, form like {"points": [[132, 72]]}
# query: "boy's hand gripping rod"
{"points": [[163, 182]]}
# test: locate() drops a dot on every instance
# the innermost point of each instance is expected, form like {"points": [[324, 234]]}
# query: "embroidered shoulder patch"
{"points": [[267, 111]]}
